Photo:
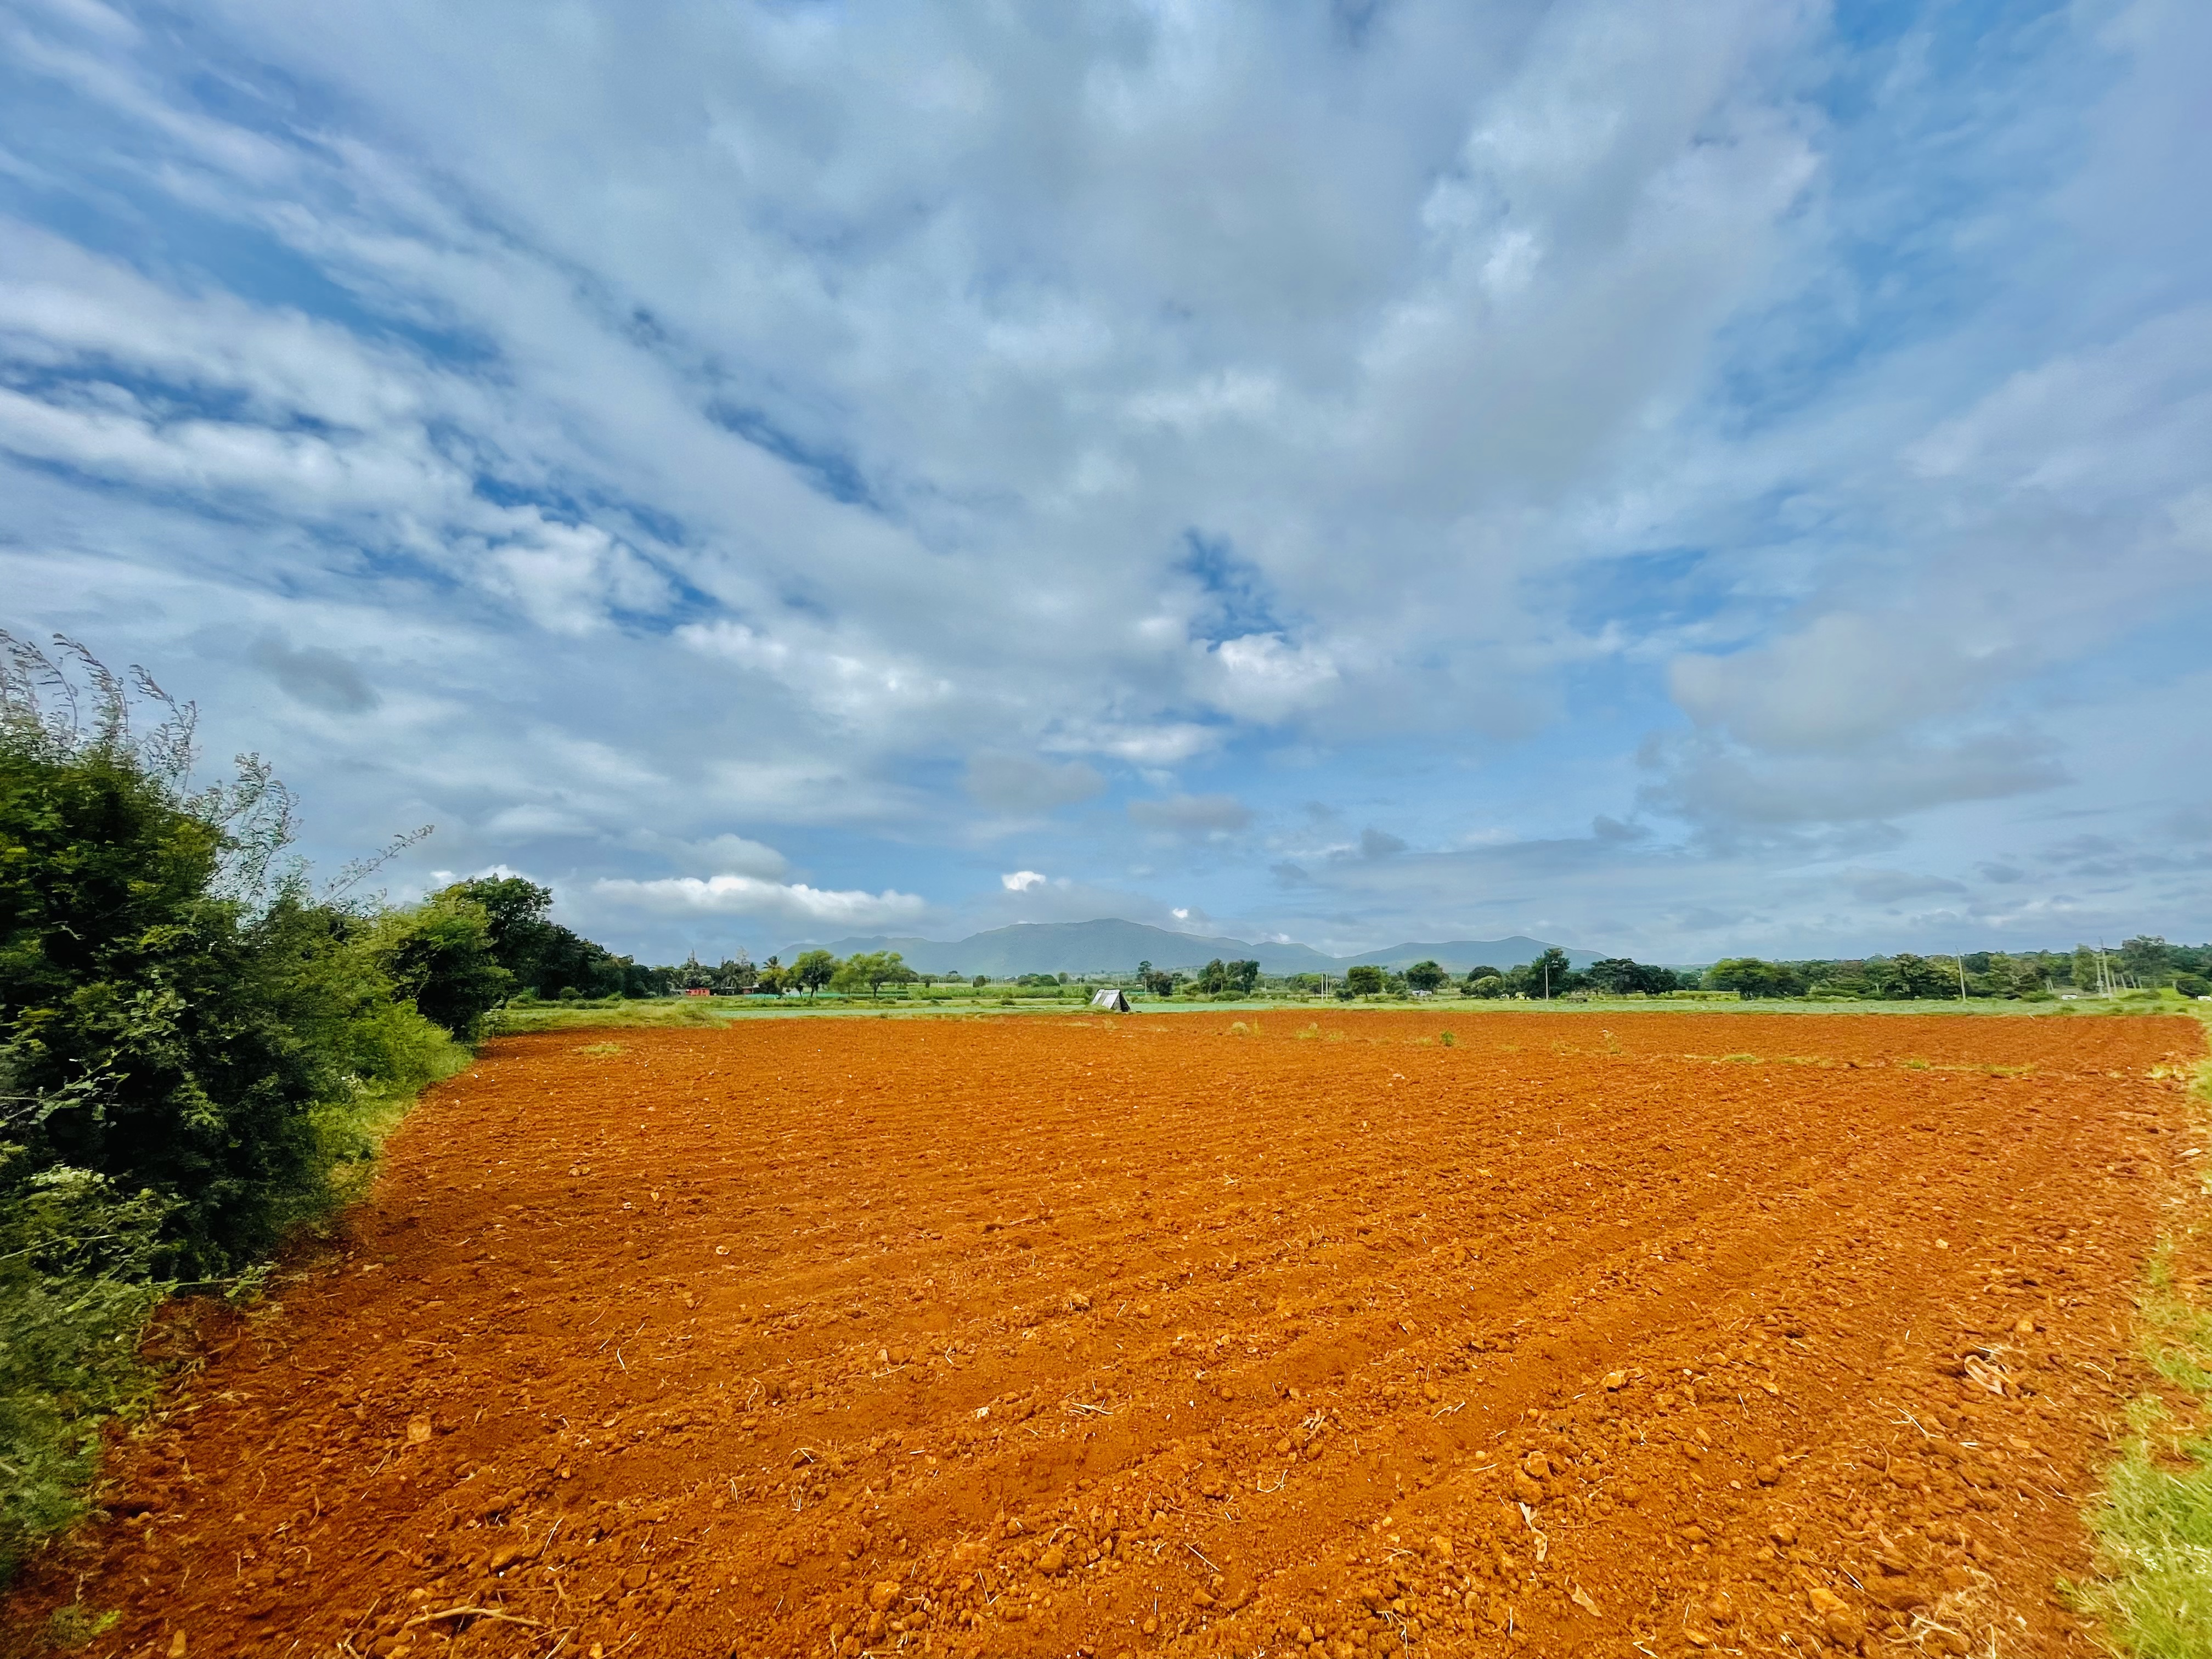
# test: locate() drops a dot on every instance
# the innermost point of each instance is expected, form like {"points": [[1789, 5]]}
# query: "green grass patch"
{"points": [[2153, 1521]]}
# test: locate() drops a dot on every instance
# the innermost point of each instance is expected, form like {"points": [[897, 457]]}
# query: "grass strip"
{"points": [[2153, 1521]]}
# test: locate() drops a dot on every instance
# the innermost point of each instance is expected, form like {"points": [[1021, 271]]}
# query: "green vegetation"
{"points": [[2153, 1521], [196, 1051]]}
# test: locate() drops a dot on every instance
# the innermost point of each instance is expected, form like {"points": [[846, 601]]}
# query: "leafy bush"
{"points": [[194, 1048], [439, 956], [76, 1287]]}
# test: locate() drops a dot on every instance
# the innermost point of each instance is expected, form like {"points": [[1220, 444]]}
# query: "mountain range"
{"points": [[1109, 945]]}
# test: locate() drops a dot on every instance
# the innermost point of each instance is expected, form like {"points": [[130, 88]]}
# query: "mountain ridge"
{"points": [[1108, 944]]}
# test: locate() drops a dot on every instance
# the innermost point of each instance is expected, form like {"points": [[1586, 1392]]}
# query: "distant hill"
{"points": [[1109, 945]]}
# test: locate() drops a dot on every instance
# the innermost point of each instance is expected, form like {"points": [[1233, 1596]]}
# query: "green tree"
{"points": [[2147, 960], [1619, 977], [874, 969], [1425, 975], [1908, 976], [515, 911], [441, 957], [812, 969], [1551, 974], [1752, 977], [1364, 980]]}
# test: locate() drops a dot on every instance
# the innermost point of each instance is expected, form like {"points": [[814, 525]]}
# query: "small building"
{"points": [[1109, 997]]}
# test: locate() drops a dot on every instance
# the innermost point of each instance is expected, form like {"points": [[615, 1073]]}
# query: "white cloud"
{"points": [[785, 903], [1193, 395], [1020, 881], [729, 855]]}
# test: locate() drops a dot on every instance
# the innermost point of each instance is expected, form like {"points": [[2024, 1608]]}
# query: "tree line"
{"points": [[2146, 962]]}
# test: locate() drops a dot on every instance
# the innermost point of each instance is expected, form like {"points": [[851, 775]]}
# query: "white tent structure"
{"points": [[1110, 997]]}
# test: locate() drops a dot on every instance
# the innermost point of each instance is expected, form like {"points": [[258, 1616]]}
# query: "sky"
{"points": [[1681, 481]]}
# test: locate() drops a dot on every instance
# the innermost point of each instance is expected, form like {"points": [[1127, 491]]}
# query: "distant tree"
{"points": [[1363, 981], [1551, 974], [775, 978], [812, 969], [874, 969], [2192, 984], [567, 961], [2147, 960], [1619, 977], [1481, 972], [736, 976], [641, 980], [440, 956], [1749, 976], [1425, 975], [1213, 979], [979, 981], [1489, 984], [515, 911], [1908, 976], [1244, 976]]}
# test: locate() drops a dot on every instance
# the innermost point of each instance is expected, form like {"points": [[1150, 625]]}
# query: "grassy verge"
{"points": [[81, 1283], [521, 1018], [2153, 1521]]}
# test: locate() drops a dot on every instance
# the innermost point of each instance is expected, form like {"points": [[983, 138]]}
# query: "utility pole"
{"points": [[1961, 960]]}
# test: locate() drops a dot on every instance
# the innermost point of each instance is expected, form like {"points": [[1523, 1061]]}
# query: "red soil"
{"points": [[1134, 1335]]}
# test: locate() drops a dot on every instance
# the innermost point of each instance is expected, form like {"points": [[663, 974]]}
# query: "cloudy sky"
{"points": [[1675, 480]]}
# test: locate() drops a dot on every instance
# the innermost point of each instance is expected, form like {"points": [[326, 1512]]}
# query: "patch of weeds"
{"points": [[1914, 1066], [77, 1286], [600, 1049], [1310, 1033], [1239, 1028], [2153, 1521], [72, 1627], [1448, 1039]]}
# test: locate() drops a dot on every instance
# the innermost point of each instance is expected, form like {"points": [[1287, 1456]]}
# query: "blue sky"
{"points": [[1682, 482]]}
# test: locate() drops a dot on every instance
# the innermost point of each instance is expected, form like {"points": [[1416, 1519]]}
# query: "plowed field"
{"points": [[1133, 1335]]}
